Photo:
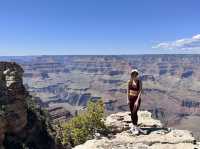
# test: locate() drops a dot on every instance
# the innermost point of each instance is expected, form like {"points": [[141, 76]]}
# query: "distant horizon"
{"points": [[95, 51], [102, 55]]}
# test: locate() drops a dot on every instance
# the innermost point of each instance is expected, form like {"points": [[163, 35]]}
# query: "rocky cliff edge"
{"points": [[13, 114], [158, 137], [20, 126]]}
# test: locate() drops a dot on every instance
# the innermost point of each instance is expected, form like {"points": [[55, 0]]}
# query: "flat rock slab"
{"points": [[157, 138], [121, 121], [176, 139]]}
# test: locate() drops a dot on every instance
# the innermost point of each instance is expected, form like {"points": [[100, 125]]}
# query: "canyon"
{"points": [[64, 84]]}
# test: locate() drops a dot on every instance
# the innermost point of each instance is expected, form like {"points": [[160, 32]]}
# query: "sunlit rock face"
{"points": [[158, 137], [20, 125], [13, 114]]}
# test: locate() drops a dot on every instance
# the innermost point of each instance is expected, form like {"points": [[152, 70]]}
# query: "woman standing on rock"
{"points": [[134, 98]]}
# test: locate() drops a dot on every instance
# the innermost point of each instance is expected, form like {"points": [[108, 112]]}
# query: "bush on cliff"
{"points": [[83, 127]]}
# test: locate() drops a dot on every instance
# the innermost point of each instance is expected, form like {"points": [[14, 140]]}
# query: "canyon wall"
{"points": [[19, 125]]}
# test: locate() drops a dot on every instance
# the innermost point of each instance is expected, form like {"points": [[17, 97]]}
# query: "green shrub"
{"points": [[83, 127]]}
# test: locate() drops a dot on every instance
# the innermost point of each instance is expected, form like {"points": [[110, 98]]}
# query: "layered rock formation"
{"points": [[59, 114], [13, 115], [20, 126], [158, 137]]}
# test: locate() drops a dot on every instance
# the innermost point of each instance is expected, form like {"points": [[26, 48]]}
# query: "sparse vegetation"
{"points": [[85, 125]]}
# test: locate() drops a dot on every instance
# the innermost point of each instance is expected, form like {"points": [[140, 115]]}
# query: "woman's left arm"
{"points": [[140, 90], [138, 98]]}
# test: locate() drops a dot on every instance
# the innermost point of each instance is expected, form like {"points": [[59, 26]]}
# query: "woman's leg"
{"points": [[131, 105], [133, 112], [135, 115]]}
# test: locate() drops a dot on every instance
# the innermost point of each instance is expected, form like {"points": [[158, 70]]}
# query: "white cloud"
{"points": [[196, 37], [192, 43]]}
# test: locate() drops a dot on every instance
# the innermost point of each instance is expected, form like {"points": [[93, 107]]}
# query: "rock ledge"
{"points": [[158, 137]]}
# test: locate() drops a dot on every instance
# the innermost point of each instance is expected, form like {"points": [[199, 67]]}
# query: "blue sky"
{"points": [[35, 27]]}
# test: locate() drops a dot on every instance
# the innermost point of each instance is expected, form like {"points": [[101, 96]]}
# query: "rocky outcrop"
{"points": [[13, 115], [22, 125], [157, 137]]}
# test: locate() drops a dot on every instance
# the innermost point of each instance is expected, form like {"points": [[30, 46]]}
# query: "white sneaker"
{"points": [[134, 130]]}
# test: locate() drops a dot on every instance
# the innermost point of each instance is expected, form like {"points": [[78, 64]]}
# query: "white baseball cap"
{"points": [[134, 70]]}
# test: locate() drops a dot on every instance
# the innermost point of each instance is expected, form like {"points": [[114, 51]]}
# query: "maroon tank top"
{"points": [[134, 87]]}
